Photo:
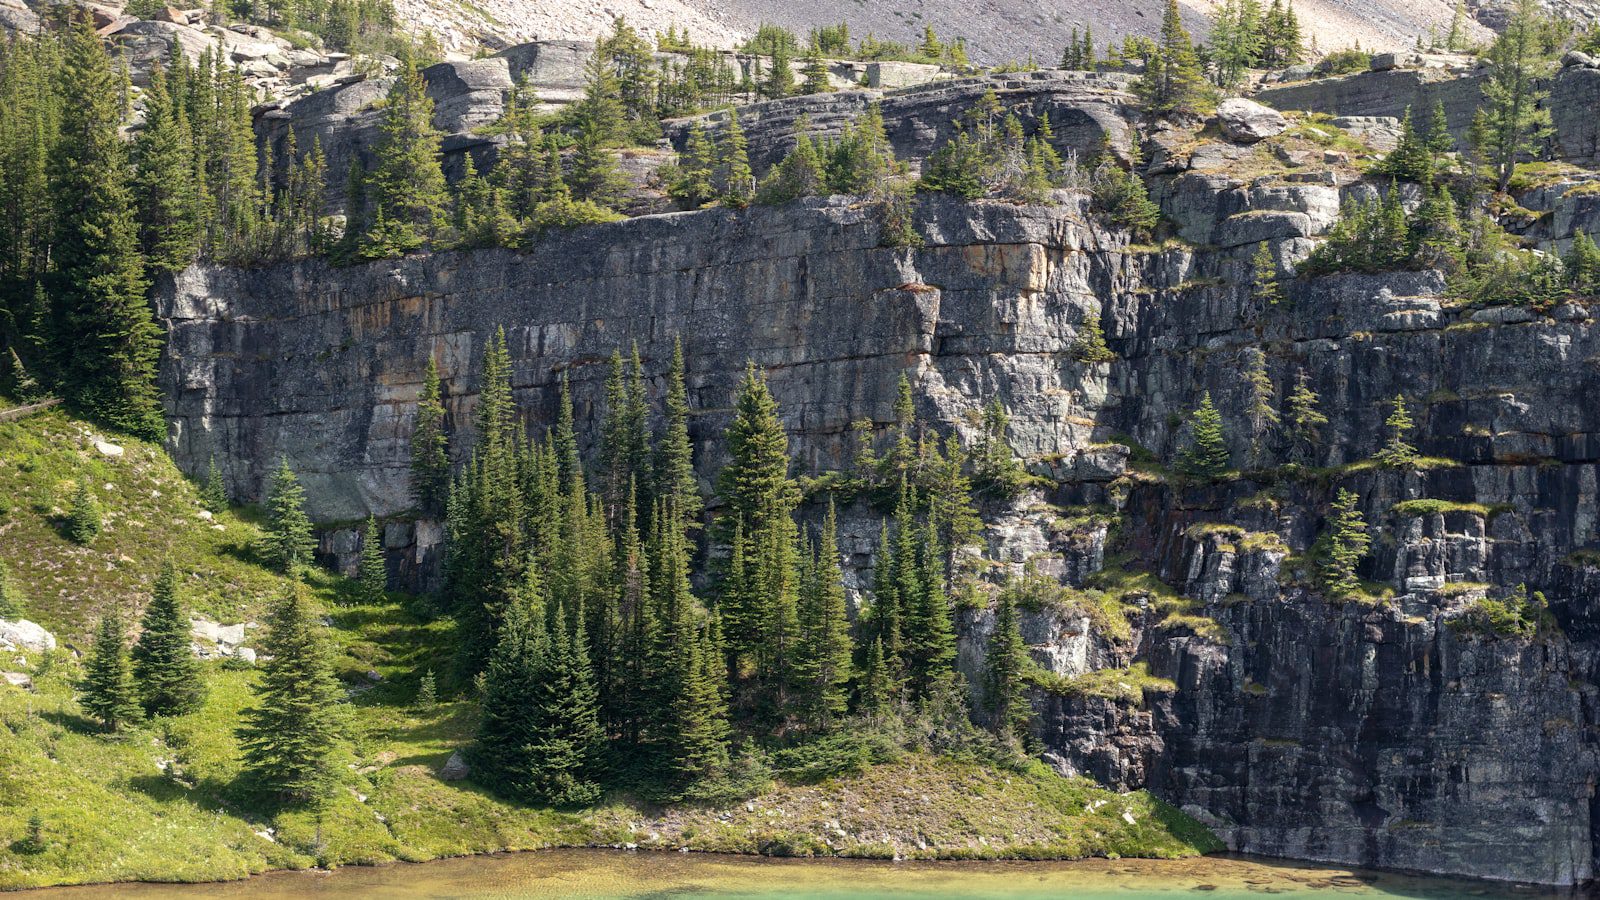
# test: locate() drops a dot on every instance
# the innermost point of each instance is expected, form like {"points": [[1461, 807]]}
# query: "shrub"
{"points": [[1515, 616], [1345, 62]]}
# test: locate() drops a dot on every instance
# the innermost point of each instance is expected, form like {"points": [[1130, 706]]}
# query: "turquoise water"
{"points": [[613, 875]]}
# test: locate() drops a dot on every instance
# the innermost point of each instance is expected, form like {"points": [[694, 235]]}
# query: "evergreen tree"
{"points": [[798, 175], [508, 728], [930, 642], [168, 208], [213, 493], [780, 77], [875, 698], [1305, 419], [373, 575], [1090, 344], [1263, 415], [1457, 38], [689, 663], [1173, 80], [816, 72], [1396, 451], [107, 690], [1236, 42], [1513, 119], [170, 681], [427, 691], [10, 597], [83, 519], [1005, 672], [567, 740], [1412, 159], [675, 479], [407, 184], [287, 541], [1437, 137], [594, 175], [106, 340], [755, 485], [1345, 544], [692, 185], [292, 737], [1206, 455], [995, 465], [1264, 268], [1582, 265], [430, 447], [732, 177], [823, 662]]}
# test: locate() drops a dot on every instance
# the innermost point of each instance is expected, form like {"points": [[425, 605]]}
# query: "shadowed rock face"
{"points": [[1377, 735]]}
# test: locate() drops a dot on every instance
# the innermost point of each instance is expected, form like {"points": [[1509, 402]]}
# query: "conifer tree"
{"points": [[780, 77], [1396, 451], [1206, 455], [995, 466], [168, 208], [1173, 80], [406, 184], [1345, 544], [1305, 419], [1457, 37], [427, 691], [287, 541], [675, 479], [373, 576], [1264, 269], [692, 185], [106, 340], [755, 484], [169, 679], [107, 690], [1090, 344], [1412, 159], [1263, 415], [83, 518], [733, 180], [1582, 265], [930, 642], [292, 737], [567, 740], [430, 447], [798, 175], [875, 696], [823, 665], [508, 728], [690, 665], [1005, 672], [10, 596], [593, 175], [213, 493], [1513, 119], [816, 72]]}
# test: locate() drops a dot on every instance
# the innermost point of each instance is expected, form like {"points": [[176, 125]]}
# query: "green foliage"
{"points": [[1263, 416], [292, 738], [690, 182], [1414, 157], [1516, 616], [1173, 81], [1343, 546], [823, 656], [996, 469], [288, 541], [213, 493], [406, 186], [731, 176], [10, 596], [107, 690], [1370, 236], [1090, 344], [1396, 452], [1513, 121], [430, 446], [169, 679], [1079, 54], [1345, 62], [373, 575], [1121, 197], [800, 173], [427, 691], [1006, 667], [1265, 286], [989, 154], [1206, 454], [83, 519]]}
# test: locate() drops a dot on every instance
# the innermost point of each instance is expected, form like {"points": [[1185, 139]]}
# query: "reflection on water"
{"points": [[613, 875]]}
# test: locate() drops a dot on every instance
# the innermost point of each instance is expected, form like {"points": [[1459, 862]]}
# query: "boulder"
{"points": [[24, 635], [108, 449], [1247, 121], [455, 769], [1577, 58], [17, 679]]}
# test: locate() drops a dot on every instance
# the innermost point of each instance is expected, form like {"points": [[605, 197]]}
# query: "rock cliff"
{"points": [[1190, 654]]}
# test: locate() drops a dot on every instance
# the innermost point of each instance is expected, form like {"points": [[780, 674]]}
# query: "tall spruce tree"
{"points": [[1513, 121], [1397, 451], [287, 541], [565, 754], [406, 185], [508, 728], [675, 478], [1173, 80], [1262, 414], [823, 663], [430, 446], [105, 338], [168, 205], [1206, 455], [1005, 672], [169, 679], [83, 518], [1344, 545], [373, 575], [107, 690], [930, 641], [291, 738]]}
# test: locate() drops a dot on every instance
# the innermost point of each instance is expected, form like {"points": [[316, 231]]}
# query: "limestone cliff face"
{"points": [[1366, 734]]}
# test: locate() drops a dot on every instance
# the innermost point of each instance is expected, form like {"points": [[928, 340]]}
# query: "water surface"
{"points": [[616, 875]]}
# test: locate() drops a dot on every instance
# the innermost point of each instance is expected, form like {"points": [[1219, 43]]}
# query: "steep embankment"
{"points": [[1189, 648], [164, 803]]}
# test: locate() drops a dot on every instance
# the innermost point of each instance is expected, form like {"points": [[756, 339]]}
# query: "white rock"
{"points": [[106, 448], [455, 769], [1246, 121], [16, 679], [24, 635], [246, 654], [203, 515]]}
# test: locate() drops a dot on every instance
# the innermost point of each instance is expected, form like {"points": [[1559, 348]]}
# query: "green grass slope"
{"points": [[162, 802]]}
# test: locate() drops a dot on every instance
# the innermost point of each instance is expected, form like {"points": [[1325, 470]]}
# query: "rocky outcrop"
{"points": [[1376, 733], [25, 636]]}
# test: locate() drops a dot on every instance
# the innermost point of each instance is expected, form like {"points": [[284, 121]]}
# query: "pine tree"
{"points": [[508, 728], [1412, 159], [107, 690], [1513, 119], [755, 485], [1396, 451], [875, 697], [816, 72], [170, 681], [1005, 672], [1345, 544], [995, 466], [593, 175], [213, 493], [1582, 265], [1436, 137], [733, 180], [83, 519], [823, 663], [168, 209], [930, 642], [1263, 415], [780, 77], [406, 184], [1090, 344], [692, 185], [1305, 419], [10, 597], [287, 541], [798, 175], [373, 577], [430, 447], [427, 691], [1264, 269], [106, 341], [565, 753], [675, 478], [1206, 455], [1173, 80], [291, 738], [1457, 38]]}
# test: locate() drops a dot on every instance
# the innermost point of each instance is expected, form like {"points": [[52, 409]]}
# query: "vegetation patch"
{"points": [[1127, 685]]}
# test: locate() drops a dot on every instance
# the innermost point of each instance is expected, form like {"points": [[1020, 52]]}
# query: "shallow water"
{"points": [[614, 875]]}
